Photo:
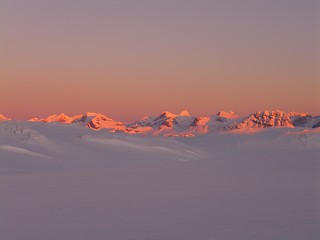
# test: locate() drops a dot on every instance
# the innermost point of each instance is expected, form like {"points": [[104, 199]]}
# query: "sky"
{"points": [[130, 59]]}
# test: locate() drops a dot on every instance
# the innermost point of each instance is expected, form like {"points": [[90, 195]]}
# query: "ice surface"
{"points": [[68, 182]]}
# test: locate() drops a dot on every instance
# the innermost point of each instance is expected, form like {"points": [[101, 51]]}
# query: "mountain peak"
{"points": [[273, 112], [227, 114], [62, 118], [185, 113], [168, 114], [91, 114], [297, 114], [266, 118], [3, 118]]}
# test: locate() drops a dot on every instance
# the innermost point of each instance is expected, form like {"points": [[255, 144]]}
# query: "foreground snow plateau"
{"points": [[68, 182]]}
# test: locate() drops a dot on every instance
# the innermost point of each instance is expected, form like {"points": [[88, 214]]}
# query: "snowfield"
{"points": [[67, 182]]}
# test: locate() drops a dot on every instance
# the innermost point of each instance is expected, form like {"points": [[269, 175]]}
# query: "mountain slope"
{"points": [[166, 123], [227, 114], [3, 118], [92, 120], [306, 121], [60, 118], [266, 119], [183, 124], [98, 121]]}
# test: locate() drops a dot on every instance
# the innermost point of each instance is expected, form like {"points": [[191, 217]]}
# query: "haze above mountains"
{"points": [[186, 124]]}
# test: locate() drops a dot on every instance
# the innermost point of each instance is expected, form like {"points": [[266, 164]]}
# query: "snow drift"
{"points": [[64, 181]]}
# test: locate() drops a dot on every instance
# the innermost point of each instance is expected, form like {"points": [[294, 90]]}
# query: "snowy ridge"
{"points": [[266, 119], [295, 115], [92, 120], [227, 114], [3, 118], [185, 124], [60, 118], [167, 124], [307, 121], [99, 121]]}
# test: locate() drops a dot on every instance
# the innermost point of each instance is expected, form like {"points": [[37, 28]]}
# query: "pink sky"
{"points": [[128, 60]]}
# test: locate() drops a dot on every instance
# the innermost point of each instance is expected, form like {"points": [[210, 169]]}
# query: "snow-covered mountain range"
{"points": [[186, 124], [92, 120]]}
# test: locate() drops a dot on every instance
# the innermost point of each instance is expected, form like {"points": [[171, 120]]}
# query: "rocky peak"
{"points": [[227, 114], [266, 119]]}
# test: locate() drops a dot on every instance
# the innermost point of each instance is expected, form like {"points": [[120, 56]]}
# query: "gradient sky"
{"points": [[129, 59]]}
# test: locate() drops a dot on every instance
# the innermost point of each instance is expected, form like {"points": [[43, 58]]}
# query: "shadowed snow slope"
{"points": [[60, 181], [72, 146], [307, 121]]}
